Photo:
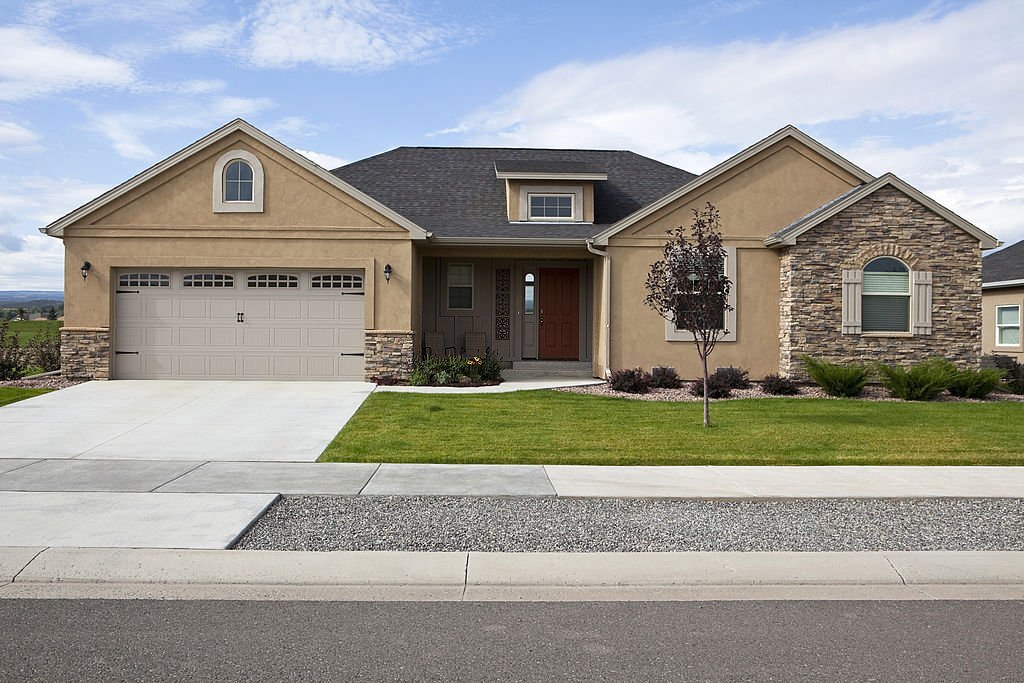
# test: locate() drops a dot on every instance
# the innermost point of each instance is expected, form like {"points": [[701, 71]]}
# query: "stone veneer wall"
{"points": [[85, 352], [887, 223], [389, 353]]}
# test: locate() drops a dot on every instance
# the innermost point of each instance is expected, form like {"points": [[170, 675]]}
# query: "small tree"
{"points": [[51, 314], [689, 286]]}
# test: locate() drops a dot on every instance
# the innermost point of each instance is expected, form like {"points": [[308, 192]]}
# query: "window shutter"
{"points": [[853, 287], [922, 320]]}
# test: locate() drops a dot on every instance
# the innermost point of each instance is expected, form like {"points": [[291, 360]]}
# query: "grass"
{"points": [[15, 394], [546, 427], [25, 330]]}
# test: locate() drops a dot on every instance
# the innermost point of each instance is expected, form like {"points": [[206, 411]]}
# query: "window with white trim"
{"points": [[529, 294], [144, 280], [347, 281], [272, 281], [551, 207], [460, 286], [672, 333], [885, 305], [238, 183], [1008, 325], [208, 280]]}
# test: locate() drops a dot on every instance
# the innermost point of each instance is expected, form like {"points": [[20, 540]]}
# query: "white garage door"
{"points": [[239, 324]]}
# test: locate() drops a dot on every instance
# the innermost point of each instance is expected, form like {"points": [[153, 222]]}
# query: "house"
{"points": [[1002, 297], [237, 257]]}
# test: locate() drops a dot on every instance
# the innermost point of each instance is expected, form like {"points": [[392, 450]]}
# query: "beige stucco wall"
{"points": [[306, 223], [765, 193], [990, 298]]}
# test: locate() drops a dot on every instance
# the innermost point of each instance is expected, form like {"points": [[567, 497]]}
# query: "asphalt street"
{"points": [[91, 640]]}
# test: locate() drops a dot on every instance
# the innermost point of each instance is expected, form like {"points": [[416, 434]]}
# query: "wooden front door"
{"points": [[559, 311]]}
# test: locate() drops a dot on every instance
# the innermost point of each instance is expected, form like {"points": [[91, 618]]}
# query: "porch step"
{"points": [[522, 369]]}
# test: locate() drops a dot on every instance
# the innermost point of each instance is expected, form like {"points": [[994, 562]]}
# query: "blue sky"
{"points": [[93, 91]]}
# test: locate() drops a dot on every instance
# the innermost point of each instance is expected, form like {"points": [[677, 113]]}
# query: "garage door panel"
{"points": [[193, 308], [192, 365], [159, 309], [285, 332], [192, 336], [256, 337], [287, 338], [159, 336], [223, 336]]}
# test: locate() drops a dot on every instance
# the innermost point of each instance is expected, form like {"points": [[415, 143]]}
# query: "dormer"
{"points": [[546, 191]]}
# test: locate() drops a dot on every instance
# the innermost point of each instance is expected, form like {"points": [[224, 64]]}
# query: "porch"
{"points": [[534, 311]]}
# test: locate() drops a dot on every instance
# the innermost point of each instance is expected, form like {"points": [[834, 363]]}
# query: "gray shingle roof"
{"points": [[783, 233], [1005, 264], [453, 192]]}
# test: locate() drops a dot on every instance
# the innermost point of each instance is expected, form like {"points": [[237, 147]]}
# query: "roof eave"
{"points": [[1003, 283], [522, 175], [56, 228], [730, 163], [512, 241]]}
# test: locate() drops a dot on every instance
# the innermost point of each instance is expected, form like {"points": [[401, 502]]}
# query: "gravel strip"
{"points": [[56, 382], [635, 525], [872, 392]]}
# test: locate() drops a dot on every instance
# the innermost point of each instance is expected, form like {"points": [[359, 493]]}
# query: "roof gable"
{"points": [[56, 228], [788, 235], [789, 132]]}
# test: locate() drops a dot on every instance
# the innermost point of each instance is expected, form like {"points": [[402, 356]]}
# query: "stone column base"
{"points": [[85, 352], [389, 354]]}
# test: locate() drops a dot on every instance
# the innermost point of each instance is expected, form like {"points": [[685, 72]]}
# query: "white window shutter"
{"points": [[853, 288], [922, 302]]}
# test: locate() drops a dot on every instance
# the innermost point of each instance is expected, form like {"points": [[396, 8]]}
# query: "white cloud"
{"points": [[347, 35], [15, 136], [327, 161], [127, 130], [294, 125], [34, 62], [961, 72], [32, 260]]}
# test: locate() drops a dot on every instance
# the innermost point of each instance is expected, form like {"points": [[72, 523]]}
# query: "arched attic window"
{"points": [[238, 183]]}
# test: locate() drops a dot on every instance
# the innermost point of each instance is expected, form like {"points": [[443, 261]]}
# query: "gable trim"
{"points": [[727, 165], [789, 235], [56, 228], [1002, 283]]}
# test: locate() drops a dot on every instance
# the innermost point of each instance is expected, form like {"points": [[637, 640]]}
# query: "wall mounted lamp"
{"points": [[387, 272], [86, 267]]}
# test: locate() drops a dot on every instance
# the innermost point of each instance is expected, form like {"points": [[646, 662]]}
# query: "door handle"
{"points": [[240, 317]]}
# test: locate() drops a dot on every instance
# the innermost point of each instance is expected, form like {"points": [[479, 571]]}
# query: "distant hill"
{"points": [[31, 299]]}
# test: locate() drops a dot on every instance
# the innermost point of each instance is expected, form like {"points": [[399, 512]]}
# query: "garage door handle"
{"points": [[126, 353], [240, 317], [352, 354]]}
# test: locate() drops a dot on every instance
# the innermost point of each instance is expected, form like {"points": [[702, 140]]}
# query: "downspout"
{"points": [[606, 305]]}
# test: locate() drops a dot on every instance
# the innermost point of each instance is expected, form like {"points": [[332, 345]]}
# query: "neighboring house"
{"points": [[1003, 298], [239, 258]]}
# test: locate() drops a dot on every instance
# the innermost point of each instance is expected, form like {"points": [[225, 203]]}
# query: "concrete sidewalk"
{"points": [[42, 572], [349, 479]]}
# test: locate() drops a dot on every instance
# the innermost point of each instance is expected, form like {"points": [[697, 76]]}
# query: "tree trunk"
{"points": [[707, 411]]}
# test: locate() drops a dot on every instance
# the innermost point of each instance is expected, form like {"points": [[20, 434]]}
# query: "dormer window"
{"points": [[238, 183], [551, 207]]}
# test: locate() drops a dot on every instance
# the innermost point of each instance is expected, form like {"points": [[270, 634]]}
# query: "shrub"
{"points": [[44, 351], [921, 382], [634, 381], [1013, 372], [843, 381], [442, 370], [666, 378], [734, 378], [975, 383], [419, 377], [13, 359], [490, 369], [717, 387], [777, 385]]}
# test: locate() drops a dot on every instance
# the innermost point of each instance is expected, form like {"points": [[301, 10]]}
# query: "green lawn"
{"points": [[15, 394], [26, 329], [560, 428]]}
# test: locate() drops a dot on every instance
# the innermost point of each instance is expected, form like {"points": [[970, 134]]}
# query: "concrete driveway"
{"points": [[181, 420]]}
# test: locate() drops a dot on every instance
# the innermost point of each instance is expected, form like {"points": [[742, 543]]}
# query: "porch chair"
{"points": [[433, 345], [475, 344]]}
